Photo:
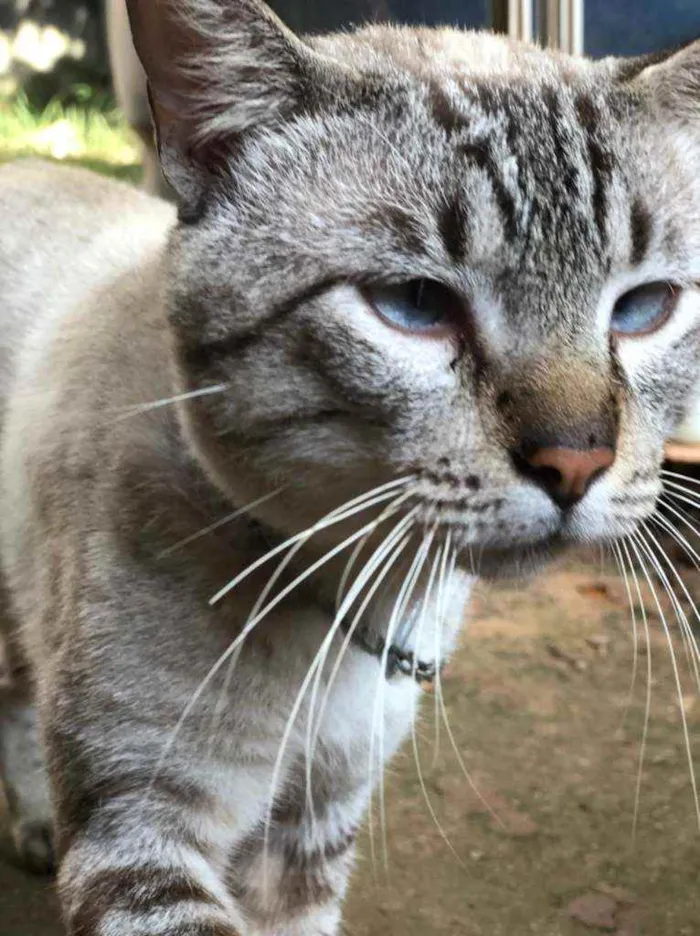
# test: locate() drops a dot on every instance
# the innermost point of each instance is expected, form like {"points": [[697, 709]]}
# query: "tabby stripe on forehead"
{"points": [[601, 163], [140, 891], [558, 121], [452, 224], [640, 231], [480, 155]]}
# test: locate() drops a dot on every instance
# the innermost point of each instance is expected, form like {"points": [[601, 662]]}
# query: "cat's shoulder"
{"points": [[35, 177]]}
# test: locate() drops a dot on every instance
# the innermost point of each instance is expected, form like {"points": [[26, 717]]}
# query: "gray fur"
{"points": [[538, 188]]}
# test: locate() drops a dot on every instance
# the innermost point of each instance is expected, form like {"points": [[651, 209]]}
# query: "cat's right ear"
{"points": [[215, 68], [670, 81]]}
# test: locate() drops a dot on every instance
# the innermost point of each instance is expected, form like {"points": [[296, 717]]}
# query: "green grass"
{"points": [[96, 137]]}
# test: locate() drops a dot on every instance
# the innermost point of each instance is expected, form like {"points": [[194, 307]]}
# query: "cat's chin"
{"points": [[503, 563]]}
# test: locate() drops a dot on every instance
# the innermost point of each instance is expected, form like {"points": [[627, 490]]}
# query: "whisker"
{"points": [[622, 570], [676, 533], [213, 527], [647, 699], [414, 739], [299, 701], [136, 408], [350, 631], [349, 509], [347, 640], [405, 591], [687, 496], [439, 611], [389, 542], [681, 477], [251, 624], [686, 629], [349, 566], [448, 727], [637, 542], [685, 515]]}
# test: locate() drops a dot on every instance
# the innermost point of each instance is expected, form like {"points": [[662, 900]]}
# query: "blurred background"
{"points": [[552, 795], [57, 94]]}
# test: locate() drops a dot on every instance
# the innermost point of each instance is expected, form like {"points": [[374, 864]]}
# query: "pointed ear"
{"points": [[215, 68], [671, 81]]}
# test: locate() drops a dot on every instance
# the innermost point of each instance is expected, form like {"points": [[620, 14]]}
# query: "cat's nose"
{"points": [[564, 473]]}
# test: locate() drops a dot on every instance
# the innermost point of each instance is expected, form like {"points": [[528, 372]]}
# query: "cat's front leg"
{"points": [[141, 853], [140, 869], [160, 852], [141, 880], [292, 892], [290, 874]]}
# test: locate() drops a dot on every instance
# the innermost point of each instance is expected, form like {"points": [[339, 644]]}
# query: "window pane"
{"points": [[322, 15], [628, 27]]}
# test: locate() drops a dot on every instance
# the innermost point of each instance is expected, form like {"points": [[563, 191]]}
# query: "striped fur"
{"points": [[158, 374]]}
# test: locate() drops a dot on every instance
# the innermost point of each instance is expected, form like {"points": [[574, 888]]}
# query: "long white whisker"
{"points": [[690, 645], [414, 739], [681, 477], [349, 566], [136, 408], [224, 521], [686, 628], [617, 553], [307, 681], [439, 613], [676, 533], [336, 516], [450, 734], [254, 612], [404, 596], [647, 698], [251, 624], [683, 515], [637, 542], [385, 547], [686, 496]]}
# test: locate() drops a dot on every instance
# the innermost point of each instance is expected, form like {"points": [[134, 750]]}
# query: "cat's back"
{"points": [[66, 233], [82, 333]]}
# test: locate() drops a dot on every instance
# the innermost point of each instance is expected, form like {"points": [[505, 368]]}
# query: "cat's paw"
{"points": [[33, 840]]}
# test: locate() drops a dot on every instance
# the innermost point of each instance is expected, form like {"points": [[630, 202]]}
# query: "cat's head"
{"points": [[429, 253]]}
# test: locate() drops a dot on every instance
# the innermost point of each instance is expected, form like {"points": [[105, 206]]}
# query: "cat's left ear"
{"points": [[215, 69], [670, 81]]}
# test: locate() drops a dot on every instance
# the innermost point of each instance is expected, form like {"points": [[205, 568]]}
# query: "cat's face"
{"points": [[441, 255]]}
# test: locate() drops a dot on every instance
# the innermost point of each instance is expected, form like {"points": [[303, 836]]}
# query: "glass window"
{"points": [[322, 15], [628, 27]]}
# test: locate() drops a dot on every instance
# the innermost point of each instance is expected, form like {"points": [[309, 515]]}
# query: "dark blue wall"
{"points": [[631, 27], [323, 15]]}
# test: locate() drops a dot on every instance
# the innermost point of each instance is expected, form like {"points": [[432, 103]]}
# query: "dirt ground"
{"points": [[539, 839]]}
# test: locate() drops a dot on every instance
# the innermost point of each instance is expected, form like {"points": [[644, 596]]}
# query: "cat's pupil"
{"points": [[645, 309], [418, 305]]}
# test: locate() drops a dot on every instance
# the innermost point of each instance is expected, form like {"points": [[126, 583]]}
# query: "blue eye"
{"points": [[645, 309], [417, 306]]}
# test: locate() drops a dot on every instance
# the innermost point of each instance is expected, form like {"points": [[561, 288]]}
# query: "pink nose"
{"points": [[566, 473]]}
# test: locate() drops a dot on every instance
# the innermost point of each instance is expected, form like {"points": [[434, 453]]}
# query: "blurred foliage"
{"points": [[50, 48], [90, 132]]}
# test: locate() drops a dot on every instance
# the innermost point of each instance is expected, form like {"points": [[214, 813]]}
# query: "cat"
{"points": [[426, 309]]}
